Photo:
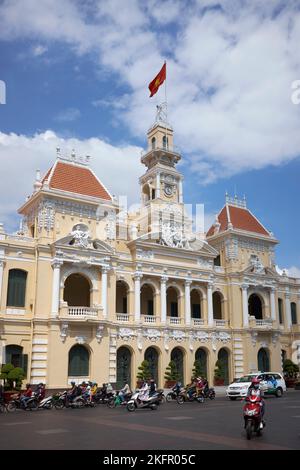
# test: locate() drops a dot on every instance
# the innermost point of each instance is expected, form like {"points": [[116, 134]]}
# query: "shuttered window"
{"points": [[78, 362], [16, 288]]}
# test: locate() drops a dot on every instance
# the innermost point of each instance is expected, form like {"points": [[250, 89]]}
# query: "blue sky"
{"points": [[77, 76]]}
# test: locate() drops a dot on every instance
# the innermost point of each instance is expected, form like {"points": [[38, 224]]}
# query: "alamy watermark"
{"points": [[295, 96], [2, 92]]}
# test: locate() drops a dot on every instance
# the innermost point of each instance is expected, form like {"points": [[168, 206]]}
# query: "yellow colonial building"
{"points": [[88, 291]]}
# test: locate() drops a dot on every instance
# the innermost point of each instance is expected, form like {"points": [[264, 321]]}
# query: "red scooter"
{"points": [[253, 414]]}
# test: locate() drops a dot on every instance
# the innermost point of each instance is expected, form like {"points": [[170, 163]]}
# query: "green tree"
{"points": [[219, 372], [171, 371], [12, 377], [144, 371], [290, 368], [198, 370]]}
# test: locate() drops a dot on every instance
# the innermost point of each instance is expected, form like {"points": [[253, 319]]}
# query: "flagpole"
{"points": [[167, 143]]}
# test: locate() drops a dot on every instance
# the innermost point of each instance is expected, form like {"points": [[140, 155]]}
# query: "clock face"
{"points": [[168, 190]]}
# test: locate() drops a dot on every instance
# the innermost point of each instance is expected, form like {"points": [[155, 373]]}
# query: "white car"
{"points": [[271, 383]]}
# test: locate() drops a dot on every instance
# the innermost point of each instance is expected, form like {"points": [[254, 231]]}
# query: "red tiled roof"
{"points": [[75, 179], [241, 219]]}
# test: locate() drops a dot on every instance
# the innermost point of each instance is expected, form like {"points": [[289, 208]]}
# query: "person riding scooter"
{"points": [[254, 389]]}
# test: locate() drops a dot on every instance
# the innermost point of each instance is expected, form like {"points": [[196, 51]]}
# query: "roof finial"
{"points": [[58, 152], [73, 155]]}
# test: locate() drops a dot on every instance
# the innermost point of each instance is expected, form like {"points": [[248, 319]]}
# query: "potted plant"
{"points": [[12, 377], [198, 370], [290, 370], [143, 374], [219, 374], [171, 375]]}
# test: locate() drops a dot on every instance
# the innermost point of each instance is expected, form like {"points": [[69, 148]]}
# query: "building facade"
{"points": [[88, 291]]}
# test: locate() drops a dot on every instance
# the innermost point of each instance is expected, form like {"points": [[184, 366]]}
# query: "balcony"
{"points": [[149, 319], [123, 317], [174, 320], [264, 323], [90, 312], [221, 323], [197, 321]]}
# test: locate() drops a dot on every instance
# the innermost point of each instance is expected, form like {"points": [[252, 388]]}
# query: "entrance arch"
{"points": [[223, 358], [255, 307], [263, 360], [77, 291], [123, 367], [152, 356], [177, 357], [201, 357]]}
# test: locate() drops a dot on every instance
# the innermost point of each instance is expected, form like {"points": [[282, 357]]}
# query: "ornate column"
{"points": [[157, 184], [163, 299], [210, 314], [56, 265], [2, 264], [188, 302], [104, 271], [245, 305], [272, 304], [137, 296], [298, 308], [288, 313]]}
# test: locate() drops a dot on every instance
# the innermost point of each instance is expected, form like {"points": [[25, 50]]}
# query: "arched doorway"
{"points": [[177, 357], [77, 291], [79, 361], [147, 300], [255, 306], [223, 358], [123, 367], [195, 303], [263, 360], [151, 355], [201, 358], [172, 302], [121, 297], [217, 306]]}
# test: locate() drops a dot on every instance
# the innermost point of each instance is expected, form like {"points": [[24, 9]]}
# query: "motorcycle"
{"points": [[253, 416], [46, 403], [103, 397], [115, 401], [184, 396], [18, 404], [64, 401], [139, 401], [209, 393], [174, 393]]}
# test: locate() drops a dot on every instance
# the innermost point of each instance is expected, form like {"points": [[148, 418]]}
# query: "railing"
{"points": [[221, 322], [123, 317], [265, 322], [149, 318], [82, 311], [174, 321], [198, 321]]}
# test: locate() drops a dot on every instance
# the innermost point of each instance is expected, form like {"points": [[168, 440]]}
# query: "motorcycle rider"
{"points": [[255, 389], [26, 395], [73, 392], [124, 391], [152, 387]]}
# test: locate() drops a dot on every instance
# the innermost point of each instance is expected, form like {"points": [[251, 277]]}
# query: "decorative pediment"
{"points": [[83, 242]]}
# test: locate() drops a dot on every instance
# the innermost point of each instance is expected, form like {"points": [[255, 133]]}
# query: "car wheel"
{"points": [[279, 392]]}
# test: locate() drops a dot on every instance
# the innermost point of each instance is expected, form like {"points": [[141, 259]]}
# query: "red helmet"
{"points": [[255, 381]]}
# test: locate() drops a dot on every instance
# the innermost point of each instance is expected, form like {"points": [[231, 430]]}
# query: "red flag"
{"points": [[158, 80]]}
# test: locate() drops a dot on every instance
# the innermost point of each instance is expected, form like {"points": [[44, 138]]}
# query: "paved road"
{"points": [[213, 425]]}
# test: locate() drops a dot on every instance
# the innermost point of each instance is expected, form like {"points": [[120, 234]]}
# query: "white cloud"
{"points": [[21, 155], [68, 115], [39, 50], [229, 69]]}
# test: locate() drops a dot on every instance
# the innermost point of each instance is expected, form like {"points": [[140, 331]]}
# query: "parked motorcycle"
{"points": [[184, 396], [139, 401], [253, 416]]}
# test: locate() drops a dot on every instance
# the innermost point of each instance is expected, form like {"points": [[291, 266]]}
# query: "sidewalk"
{"points": [[220, 391]]}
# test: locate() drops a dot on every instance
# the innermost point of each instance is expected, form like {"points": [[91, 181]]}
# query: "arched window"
{"points": [[121, 297], [294, 313], [217, 306], [280, 310], [147, 300], [263, 360], [223, 359], [177, 357], [201, 358], [14, 355], [77, 291], [78, 361], [153, 143], [165, 142], [255, 306], [151, 355], [16, 288]]}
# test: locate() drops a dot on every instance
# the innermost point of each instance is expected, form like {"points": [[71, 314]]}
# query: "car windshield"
{"points": [[245, 378]]}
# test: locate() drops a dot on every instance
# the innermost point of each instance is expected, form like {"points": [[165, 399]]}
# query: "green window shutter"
{"points": [[78, 362], [16, 288], [24, 363], [294, 313]]}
